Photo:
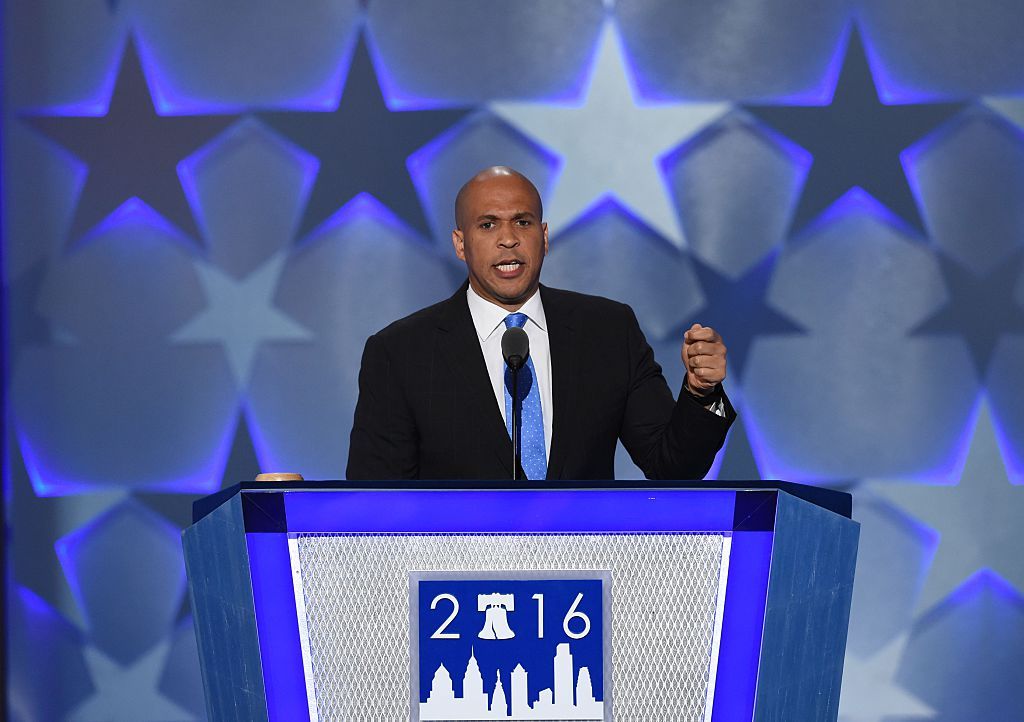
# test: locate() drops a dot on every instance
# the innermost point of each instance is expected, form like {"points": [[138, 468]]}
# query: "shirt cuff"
{"points": [[716, 399], [717, 408]]}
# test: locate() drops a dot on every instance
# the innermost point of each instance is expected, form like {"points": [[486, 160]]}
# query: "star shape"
{"points": [[612, 145], [870, 692], [176, 507], [241, 315], [42, 521], [127, 693], [736, 461], [242, 464], [977, 519], [1010, 107], [362, 146], [737, 309], [131, 150], [27, 326], [981, 307], [855, 140]]}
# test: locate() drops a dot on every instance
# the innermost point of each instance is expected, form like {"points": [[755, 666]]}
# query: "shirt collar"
{"points": [[487, 316]]}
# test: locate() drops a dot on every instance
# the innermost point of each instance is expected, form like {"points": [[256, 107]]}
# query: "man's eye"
{"points": [[487, 225], [523, 222]]}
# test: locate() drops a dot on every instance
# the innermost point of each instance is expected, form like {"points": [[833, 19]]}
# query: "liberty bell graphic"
{"points": [[496, 608]]}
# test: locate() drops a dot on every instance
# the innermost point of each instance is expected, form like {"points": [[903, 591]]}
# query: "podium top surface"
{"points": [[349, 506]]}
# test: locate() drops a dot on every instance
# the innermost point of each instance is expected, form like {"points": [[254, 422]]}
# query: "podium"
{"points": [[341, 601]]}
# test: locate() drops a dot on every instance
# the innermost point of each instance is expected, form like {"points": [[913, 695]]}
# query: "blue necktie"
{"points": [[531, 419]]}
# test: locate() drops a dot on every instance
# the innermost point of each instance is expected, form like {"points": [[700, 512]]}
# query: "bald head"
{"points": [[501, 236], [479, 183]]}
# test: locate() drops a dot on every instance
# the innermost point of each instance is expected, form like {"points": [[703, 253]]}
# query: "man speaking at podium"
{"points": [[434, 387]]}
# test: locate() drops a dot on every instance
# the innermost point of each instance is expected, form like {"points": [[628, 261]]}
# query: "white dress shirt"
{"points": [[489, 321]]}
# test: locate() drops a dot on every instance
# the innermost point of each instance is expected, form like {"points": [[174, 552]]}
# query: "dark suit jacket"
{"points": [[426, 406]]}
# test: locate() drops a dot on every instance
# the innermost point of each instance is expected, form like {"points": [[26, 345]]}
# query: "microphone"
{"points": [[515, 347]]}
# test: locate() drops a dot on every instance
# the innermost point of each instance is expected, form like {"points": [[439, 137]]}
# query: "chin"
{"points": [[513, 298]]}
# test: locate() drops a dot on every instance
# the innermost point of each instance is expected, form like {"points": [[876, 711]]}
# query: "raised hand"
{"points": [[703, 355]]}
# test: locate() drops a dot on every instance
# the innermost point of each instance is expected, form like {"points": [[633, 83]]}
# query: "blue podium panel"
{"points": [[327, 601]]}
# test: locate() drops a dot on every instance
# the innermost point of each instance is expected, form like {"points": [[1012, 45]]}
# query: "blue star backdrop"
{"points": [[208, 208]]}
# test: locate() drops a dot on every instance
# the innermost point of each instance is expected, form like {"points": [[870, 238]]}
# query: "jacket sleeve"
{"points": [[667, 438], [384, 444]]}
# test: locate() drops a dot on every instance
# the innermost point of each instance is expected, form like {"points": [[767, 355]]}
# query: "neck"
{"points": [[510, 307]]}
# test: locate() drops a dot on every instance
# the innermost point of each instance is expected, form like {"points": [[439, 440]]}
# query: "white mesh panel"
{"points": [[664, 592]]}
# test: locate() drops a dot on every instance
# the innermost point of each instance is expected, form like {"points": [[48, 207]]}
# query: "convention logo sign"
{"points": [[510, 646]]}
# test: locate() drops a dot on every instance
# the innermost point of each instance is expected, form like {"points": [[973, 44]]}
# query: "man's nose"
{"points": [[507, 239]]}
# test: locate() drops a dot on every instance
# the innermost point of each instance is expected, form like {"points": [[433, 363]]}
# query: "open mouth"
{"points": [[508, 266]]}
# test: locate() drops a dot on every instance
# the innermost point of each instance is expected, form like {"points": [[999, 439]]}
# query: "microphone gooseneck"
{"points": [[515, 347]]}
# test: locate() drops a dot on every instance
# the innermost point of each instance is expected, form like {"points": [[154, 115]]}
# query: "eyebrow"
{"points": [[517, 214]]}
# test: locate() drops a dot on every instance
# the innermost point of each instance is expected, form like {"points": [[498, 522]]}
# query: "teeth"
{"points": [[508, 267]]}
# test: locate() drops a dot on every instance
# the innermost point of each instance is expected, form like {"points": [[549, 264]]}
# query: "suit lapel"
{"points": [[565, 363], [461, 348]]}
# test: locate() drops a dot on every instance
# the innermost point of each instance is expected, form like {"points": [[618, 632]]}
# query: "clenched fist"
{"points": [[703, 355]]}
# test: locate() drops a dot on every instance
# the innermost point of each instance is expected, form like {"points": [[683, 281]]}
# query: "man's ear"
{"points": [[459, 241], [545, 227]]}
